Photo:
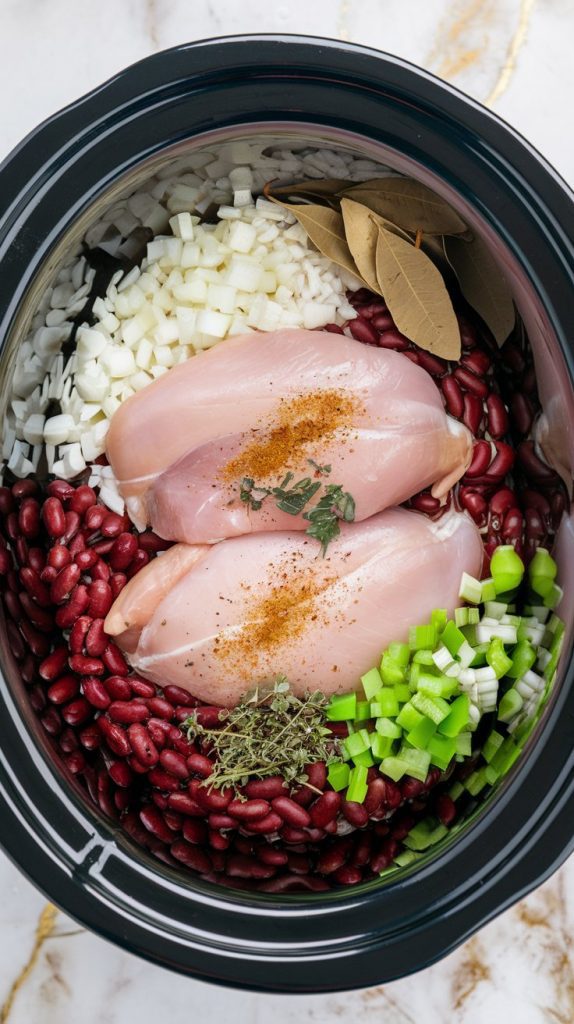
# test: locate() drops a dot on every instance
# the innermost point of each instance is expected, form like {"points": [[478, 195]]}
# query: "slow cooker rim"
{"points": [[105, 90]]}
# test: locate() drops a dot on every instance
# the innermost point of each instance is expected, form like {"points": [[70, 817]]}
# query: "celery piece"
{"points": [[422, 637], [406, 857], [363, 711], [554, 596], [466, 654], [342, 708], [458, 717], [480, 652], [542, 572], [492, 743], [381, 746], [488, 590], [510, 704], [408, 716], [437, 686], [464, 744], [470, 589], [523, 658], [505, 756], [434, 708], [365, 757], [402, 692], [385, 704], [442, 750], [356, 743], [495, 609], [357, 789], [424, 658], [456, 790], [452, 637], [497, 657], [439, 618], [417, 762], [424, 834], [338, 776], [466, 617], [399, 653], [507, 568], [386, 727], [390, 672], [421, 734], [394, 767], [476, 781], [372, 683], [491, 775]]}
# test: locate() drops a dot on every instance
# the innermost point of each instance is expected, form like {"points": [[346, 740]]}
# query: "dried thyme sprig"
{"points": [[272, 732]]}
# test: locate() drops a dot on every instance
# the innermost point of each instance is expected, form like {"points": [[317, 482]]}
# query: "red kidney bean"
{"points": [[32, 583], [68, 740], [141, 687], [75, 762], [160, 708], [348, 875], [316, 774], [453, 396], [123, 551], [15, 641], [384, 856], [152, 819], [356, 814], [362, 850], [85, 560], [29, 518], [140, 559], [222, 821], [477, 361], [291, 812], [52, 722], [37, 698], [266, 789], [76, 712], [82, 499], [325, 809], [473, 413], [94, 517], [95, 692], [76, 545], [39, 617], [151, 543], [411, 788], [59, 556], [86, 666], [176, 695], [115, 737], [333, 858], [390, 338], [64, 584], [298, 863], [498, 422], [210, 799], [142, 744], [121, 774], [14, 608], [60, 489], [96, 639], [163, 780], [117, 687], [6, 502], [185, 804], [48, 574], [534, 526], [6, 562], [501, 502], [475, 504], [103, 547], [28, 670], [376, 793], [73, 523], [533, 466], [512, 525], [78, 634], [128, 712], [363, 331], [425, 502], [502, 462], [174, 763], [265, 826], [303, 795], [114, 660], [53, 517], [37, 559], [100, 569], [194, 830], [191, 856], [117, 583], [432, 364], [38, 643], [100, 594], [112, 525], [522, 413], [333, 329], [393, 796], [21, 552], [218, 840], [474, 385], [248, 810], [445, 809], [481, 456], [159, 731], [294, 836], [63, 689]]}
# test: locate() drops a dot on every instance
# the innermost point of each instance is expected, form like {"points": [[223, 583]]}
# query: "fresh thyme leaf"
{"points": [[272, 732], [252, 495], [324, 517], [294, 500]]}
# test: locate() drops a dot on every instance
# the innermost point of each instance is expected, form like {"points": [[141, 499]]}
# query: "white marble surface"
{"points": [[514, 54]]}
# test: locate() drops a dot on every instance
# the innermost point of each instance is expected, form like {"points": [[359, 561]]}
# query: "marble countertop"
{"points": [[515, 55]]}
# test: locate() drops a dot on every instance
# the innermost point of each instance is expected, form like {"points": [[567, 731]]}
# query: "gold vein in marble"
{"points": [[546, 911], [462, 38], [514, 47], [343, 20], [44, 930], [471, 972]]}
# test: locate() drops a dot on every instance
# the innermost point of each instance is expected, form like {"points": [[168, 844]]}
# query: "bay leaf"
{"points": [[408, 203], [326, 230], [416, 295], [325, 188], [482, 284], [361, 230]]}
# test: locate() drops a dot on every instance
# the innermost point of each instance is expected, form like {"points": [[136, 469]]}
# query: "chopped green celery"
{"points": [[424, 658], [338, 776], [381, 746], [521, 734], [497, 657], [365, 758], [458, 717], [555, 625], [394, 767], [456, 790], [492, 743], [488, 590], [442, 750], [372, 683], [385, 704], [357, 789], [434, 708], [402, 692], [452, 638], [479, 655], [439, 618], [466, 617], [437, 686], [554, 596], [542, 572], [342, 708], [553, 663], [470, 589], [495, 609], [417, 762], [464, 744], [386, 727], [399, 653], [491, 775], [414, 672], [363, 712], [507, 568], [539, 611], [390, 672], [465, 654], [421, 734], [505, 756], [470, 634], [357, 743], [523, 658], [406, 857], [476, 781], [424, 834], [510, 704], [391, 870], [422, 637], [408, 716]]}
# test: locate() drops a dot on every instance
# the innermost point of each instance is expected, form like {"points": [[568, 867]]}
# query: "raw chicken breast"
{"points": [[260, 405], [262, 605]]}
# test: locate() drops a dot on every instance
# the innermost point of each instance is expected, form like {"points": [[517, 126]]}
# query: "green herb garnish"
{"points": [[335, 503], [272, 732]]}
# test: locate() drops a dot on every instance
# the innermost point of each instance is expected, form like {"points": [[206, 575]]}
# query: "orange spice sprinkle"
{"points": [[301, 422]]}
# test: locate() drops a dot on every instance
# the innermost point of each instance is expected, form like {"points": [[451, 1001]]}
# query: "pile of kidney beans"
{"points": [[64, 558]]}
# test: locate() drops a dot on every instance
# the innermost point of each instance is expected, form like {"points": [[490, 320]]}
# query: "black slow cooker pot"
{"points": [[52, 187]]}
